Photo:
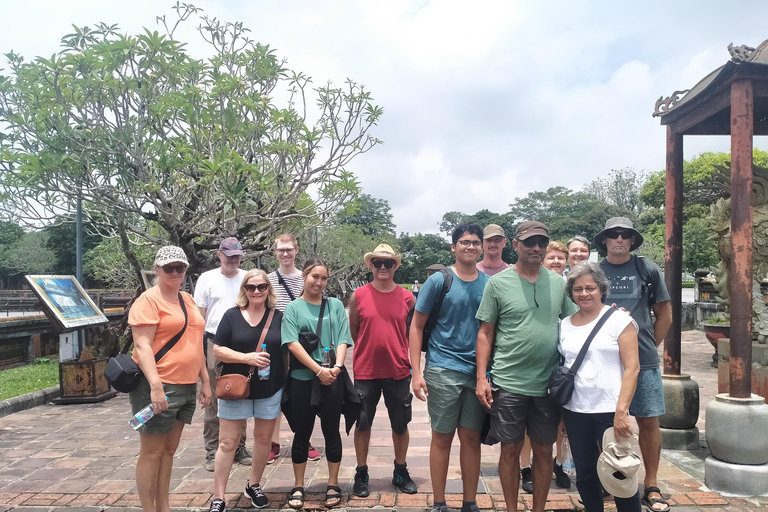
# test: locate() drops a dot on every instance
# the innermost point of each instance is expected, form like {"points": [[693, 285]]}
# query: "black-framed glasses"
{"points": [[170, 269], [533, 241], [288, 250], [385, 263], [251, 288], [613, 235], [466, 243]]}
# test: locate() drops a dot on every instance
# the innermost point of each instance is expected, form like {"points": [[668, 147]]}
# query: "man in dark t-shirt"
{"points": [[638, 286]]}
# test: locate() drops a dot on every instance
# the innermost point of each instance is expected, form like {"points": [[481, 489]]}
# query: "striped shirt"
{"points": [[294, 283]]}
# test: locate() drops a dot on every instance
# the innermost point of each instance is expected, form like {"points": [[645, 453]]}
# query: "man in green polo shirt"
{"points": [[519, 316]]}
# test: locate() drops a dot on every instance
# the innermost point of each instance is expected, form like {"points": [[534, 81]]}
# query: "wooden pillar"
{"points": [[673, 257], [740, 278]]}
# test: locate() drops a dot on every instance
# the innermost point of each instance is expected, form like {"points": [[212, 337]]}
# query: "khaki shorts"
{"points": [[452, 401], [181, 406]]}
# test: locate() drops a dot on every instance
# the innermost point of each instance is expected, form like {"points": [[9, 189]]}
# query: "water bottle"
{"points": [[568, 465], [142, 416], [264, 370], [326, 358]]}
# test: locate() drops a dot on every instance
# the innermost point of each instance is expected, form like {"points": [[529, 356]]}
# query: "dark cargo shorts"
{"points": [[181, 406], [513, 414], [397, 398]]}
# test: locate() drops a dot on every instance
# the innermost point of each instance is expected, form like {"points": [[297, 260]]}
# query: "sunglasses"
{"points": [[170, 269], [383, 263], [534, 241], [251, 288], [613, 235]]}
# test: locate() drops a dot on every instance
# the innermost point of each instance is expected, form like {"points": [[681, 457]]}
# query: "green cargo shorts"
{"points": [[181, 406], [452, 401]]}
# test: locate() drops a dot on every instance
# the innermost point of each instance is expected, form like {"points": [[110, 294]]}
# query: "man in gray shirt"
{"points": [[638, 286]]}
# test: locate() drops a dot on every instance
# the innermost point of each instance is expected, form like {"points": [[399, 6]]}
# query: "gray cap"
{"points": [[231, 247]]}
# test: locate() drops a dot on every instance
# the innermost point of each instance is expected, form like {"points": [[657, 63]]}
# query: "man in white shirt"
{"points": [[288, 283], [216, 292]]}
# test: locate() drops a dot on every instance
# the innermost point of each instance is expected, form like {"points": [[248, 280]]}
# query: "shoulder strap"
{"points": [[261, 339], [168, 346], [583, 352], [319, 329], [642, 271], [285, 285], [447, 281]]}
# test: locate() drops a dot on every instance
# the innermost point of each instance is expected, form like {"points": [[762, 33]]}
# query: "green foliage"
{"points": [[420, 251], [699, 250], [107, 262], [61, 239], [144, 132], [29, 254], [372, 216], [566, 213], [26, 379], [621, 188]]}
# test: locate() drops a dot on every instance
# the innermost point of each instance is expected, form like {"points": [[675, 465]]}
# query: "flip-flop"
{"points": [[296, 494], [335, 495], [650, 502]]}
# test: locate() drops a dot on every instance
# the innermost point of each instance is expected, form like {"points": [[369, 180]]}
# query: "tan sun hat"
{"points": [[617, 466], [382, 252]]}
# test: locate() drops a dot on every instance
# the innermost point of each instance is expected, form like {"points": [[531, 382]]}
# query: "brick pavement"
{"points": [[82, 457]]}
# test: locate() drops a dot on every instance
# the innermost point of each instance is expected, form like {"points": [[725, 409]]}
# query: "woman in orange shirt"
{"points": [[170, 385]]}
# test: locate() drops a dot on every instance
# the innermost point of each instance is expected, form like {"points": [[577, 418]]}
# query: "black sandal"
{"points": [[295, 494], [650, 502], [335, 495]]}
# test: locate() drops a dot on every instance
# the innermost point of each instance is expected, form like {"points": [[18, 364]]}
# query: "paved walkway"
{"points": [[83, 457]]}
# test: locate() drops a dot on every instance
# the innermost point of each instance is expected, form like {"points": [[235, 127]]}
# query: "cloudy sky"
{"points": [[483, 101]]}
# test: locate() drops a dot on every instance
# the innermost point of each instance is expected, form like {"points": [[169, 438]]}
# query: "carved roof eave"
{"points": [[739, 55]]}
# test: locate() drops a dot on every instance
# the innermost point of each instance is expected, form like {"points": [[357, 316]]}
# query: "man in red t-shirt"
{"points": [[377, 321]]}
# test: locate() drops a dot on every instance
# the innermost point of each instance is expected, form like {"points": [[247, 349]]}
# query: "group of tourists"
{"points": [[493, 333]]}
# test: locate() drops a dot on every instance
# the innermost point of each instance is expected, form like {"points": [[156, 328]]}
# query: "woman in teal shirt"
{"points": [[302, 315]]}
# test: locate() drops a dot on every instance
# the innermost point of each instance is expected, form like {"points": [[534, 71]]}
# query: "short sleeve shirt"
{"points": [[181, 365], [629, 291], [526, 316], [236, 333], [216, 293], [453, 340], [301, 316], [492, 271], [598, 381], [293, 283]]}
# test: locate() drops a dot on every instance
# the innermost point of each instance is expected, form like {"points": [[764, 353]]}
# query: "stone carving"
{"points": [[663, 105], [741, 53], [720, 220]]}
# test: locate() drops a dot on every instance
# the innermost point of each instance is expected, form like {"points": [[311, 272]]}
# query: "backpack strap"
{"points": [[645, 277]]}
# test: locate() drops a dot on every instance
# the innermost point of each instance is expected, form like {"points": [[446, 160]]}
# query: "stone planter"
{"points": [[678, 424], [736, 429], [83, 382]]}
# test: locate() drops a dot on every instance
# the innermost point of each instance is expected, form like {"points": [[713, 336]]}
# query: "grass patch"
{"points": [[25, 379]]}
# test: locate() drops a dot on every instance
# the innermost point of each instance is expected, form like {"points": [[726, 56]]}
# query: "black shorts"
{"points": [[397, 398], [513, 414]]}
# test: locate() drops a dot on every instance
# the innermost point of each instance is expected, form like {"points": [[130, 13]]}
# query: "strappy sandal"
{"points": [[335, 495], [295, 494], [650, 502]]}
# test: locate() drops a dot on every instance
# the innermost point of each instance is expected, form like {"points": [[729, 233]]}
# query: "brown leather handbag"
{"points": [[235, 386]]}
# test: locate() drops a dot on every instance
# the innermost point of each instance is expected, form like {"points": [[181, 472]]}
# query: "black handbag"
{"points": [[124, 374], [309, 340], [561, 382]]}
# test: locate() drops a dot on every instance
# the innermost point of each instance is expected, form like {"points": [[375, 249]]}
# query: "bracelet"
{"points": [[319, 372]]}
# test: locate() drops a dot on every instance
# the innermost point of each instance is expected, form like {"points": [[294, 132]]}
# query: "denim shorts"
{"points": [[181, 406], [648, 401], [452, 401], [261, 408]]}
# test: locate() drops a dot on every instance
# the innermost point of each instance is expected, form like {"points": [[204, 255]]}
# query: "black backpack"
{"points": [[433, 314]]}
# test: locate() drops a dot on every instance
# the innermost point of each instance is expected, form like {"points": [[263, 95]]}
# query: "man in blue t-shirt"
{"points": [[638, 287], [449, 376]]}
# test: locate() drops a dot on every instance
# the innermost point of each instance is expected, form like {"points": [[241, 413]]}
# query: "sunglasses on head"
{"points": [[170, 269], [613, 235], [534, 241], [385, 263], [251, 288]]}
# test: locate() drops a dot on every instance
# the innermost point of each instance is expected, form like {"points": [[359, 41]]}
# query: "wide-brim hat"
{"points": [[617, 466], [382, 252], [170, 254], [618, 223]]}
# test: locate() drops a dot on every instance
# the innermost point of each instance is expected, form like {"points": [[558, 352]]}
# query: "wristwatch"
{"points": [[338, 366]]}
